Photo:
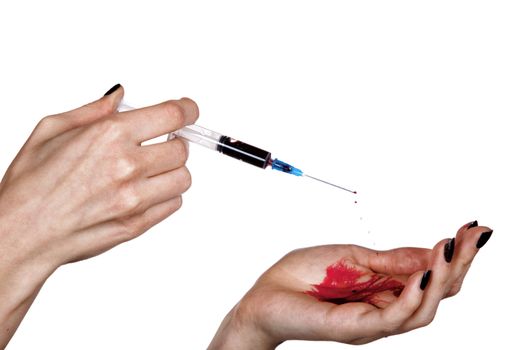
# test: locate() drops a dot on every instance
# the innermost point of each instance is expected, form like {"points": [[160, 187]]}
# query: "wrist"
{"points": [[20, 282], [238, 330], [22, 270]]}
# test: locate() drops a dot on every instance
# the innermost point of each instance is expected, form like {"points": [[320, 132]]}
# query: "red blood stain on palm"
{"points": [[344, 284]]}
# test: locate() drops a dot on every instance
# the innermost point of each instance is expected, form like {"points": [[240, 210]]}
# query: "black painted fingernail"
{"points": [[473, 224], [449, 250], [425, 279], [112, 90], [485, 236]]}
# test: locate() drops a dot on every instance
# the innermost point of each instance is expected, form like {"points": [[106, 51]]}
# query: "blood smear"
{"points": [[344, 284]]}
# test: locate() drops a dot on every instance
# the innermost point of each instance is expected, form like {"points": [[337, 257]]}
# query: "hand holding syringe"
{"points": [[236, 149]]}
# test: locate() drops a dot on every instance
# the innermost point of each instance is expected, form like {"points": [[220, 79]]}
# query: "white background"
{"points": [[417, 105]]}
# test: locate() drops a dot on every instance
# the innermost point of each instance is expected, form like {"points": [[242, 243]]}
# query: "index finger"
{"points": [[153, 121]]}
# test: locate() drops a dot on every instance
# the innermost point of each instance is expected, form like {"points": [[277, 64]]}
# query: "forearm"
{"points": [[21, 278], [237, 332], [12, 317]]}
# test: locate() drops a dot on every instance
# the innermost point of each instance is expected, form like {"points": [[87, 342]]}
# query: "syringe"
{"points": [[239, 150], [236, 149]]}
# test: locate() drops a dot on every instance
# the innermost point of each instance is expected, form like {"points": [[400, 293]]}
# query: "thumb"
{"points": [[95, 110], [400, 261], [54, 125]]}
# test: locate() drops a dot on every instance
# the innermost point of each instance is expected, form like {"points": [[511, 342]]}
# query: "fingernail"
{"points": [[425, 279], [449, 250], [485, 236], [473, 224], [112, 90]]}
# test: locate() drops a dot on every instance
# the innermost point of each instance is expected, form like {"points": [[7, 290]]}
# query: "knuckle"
{"points": [[125, 168], [109, 128], [178, 203], [46, 122], [410, 307], [127, 201], [244, 310], [193, 105], [443, 285], [127, 230], [174, 110], [465, 263], [249, 308], [390, 327], [362, 340], [185, 179], [454, 290], [426, 320], [106, 107], [294, 252], [182, 150]]}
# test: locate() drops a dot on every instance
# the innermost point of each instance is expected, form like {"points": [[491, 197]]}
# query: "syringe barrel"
{"points": [[218, 142], [245, 152], [224, 144]]}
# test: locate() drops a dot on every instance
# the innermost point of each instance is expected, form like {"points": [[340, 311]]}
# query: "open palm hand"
{"points": [[350, 294]]}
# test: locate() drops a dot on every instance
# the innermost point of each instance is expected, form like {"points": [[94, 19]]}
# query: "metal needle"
{"points": [[331, 184]]}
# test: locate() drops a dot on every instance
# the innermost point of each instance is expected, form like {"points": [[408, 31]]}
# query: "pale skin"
{"points": [[83, 183], [277, 308]]}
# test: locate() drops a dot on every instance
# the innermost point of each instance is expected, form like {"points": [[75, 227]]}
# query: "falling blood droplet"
{"points": [[355, 202]]}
